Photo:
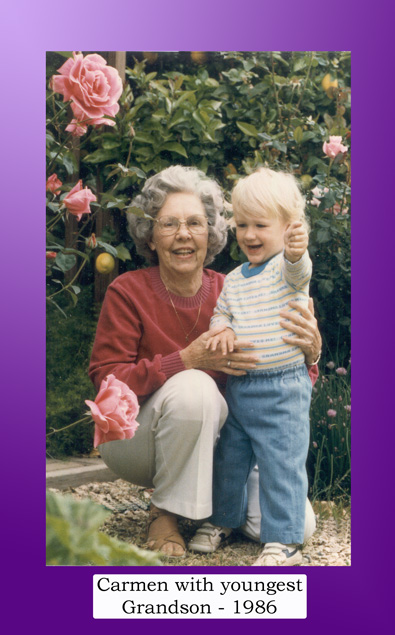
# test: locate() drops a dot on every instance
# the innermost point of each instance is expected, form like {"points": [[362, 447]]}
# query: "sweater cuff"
{"points": [[172, 364]]}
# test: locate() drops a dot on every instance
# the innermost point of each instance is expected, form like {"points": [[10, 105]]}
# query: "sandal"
{"points": [[163, 534]]}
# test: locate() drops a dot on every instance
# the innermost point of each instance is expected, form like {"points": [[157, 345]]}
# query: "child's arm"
{"points": [[297, 265], [221, 326], [296, 241]]}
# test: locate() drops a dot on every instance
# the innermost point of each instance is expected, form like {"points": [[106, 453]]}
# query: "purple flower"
{"points": [[330, 365], [341, 371], [331, 413]]}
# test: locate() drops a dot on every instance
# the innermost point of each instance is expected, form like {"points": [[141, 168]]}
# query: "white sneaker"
{"points": [[208, 538], [275, 554]]}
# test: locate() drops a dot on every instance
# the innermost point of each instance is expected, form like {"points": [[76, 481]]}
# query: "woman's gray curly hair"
{"points": [[174, 179]]}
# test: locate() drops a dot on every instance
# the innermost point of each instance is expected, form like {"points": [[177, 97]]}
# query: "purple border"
{"points": [[338, 598]]}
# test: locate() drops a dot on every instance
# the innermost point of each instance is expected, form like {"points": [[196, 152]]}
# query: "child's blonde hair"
{"points": [[270, 192]]}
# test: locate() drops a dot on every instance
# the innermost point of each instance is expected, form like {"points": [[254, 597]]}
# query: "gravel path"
{"points": [[129, 504]]}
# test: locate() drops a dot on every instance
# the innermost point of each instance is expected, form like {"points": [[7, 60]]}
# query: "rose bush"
{"points": [[78, 199], [93, 88], [114, 411]]}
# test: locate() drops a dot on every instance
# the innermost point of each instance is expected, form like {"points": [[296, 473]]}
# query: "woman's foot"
{"points": [[208, 538], [275, 554], [163, 534]]}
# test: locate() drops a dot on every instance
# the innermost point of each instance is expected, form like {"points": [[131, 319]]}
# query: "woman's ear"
{"points": [[151, 245]]}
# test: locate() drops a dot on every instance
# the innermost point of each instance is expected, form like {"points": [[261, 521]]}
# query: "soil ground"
{"points": [[129, 505]]}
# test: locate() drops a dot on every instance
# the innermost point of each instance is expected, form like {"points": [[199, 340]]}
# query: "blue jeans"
{"points": [[268, 425]]}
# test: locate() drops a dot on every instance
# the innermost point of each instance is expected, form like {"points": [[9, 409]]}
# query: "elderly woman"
{"points": [[152, 335]]}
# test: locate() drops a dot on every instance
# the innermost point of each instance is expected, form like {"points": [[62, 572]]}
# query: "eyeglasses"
{"points": [[168, 225]]}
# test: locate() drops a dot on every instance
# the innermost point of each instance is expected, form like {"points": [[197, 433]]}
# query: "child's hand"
{"points": [[225, 339], [295, 241]]}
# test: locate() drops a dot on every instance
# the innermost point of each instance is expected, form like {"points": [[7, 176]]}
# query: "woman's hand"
{"points": [[303, 323], [196, 355]]}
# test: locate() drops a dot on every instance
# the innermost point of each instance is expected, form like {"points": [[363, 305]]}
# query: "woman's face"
{"points": [[183, 252]]}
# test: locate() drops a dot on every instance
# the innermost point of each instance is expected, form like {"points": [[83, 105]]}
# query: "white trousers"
{"points": [[172, 450]]}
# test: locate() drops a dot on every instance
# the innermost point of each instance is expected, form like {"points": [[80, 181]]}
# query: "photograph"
{"points": [[197, 224], [198, 233]]}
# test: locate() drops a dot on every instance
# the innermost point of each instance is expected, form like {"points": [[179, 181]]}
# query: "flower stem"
{"points": [[58, 152], [276, 97], [70, 283], [69, 426], [52, 222]]}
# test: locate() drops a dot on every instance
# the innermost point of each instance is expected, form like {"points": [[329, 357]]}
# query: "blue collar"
{"points": [[249, 272]]}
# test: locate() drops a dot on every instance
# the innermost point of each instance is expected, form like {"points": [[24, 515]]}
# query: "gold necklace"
{"points": [[178, 317]]}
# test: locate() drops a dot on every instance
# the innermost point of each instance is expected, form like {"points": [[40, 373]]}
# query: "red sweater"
{"points": [[139, 336]]}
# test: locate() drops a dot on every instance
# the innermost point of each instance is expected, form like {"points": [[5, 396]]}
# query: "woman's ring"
{"points": [[228, 364]]}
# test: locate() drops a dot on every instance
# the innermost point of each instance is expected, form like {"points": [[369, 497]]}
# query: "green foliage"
{"points": [[228, 116], [69, 341], [73, 536], [329, 460]]}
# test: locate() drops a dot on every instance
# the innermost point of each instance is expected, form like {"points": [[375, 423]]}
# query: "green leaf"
{"points": [[174, 147], [65, 53], [116, 202], [280, 146], [73, 296], [144, 137], [69, 250], [299, 64], [54, 207], [73, 536], [108, 248], [110, 144], [247, 128], [326, 287], [69, 161], [298, 134], [323, 236], [123, 252], [100, 156], [65, 262]]}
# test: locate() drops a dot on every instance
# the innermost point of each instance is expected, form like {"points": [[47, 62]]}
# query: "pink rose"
{"points": [[336, 209], [78, 199], [93, 87], [50, 255], [317, 191], [76, 128], [334, 146], [53, 184], [114, 411]]}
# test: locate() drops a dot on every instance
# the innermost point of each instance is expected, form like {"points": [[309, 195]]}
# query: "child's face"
{"points": [[261, 237]]}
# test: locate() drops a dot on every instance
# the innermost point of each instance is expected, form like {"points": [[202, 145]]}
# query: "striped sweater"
{"points": [[251, 301]]}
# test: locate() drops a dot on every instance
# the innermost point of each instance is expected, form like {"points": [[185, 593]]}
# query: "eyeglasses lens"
{"points": [[168, 225]]}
